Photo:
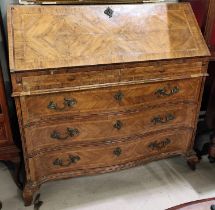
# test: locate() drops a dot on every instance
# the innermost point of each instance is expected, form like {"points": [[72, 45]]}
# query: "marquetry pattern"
{"points": [[42, 136], [46, 37], [105, 100], [85, 118], [91, 157]]}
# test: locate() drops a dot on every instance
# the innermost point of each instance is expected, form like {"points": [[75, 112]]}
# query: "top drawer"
{"points": [[89, 77], [105, 100]]}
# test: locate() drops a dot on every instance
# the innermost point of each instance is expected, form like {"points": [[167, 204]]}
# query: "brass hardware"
{"points": [[165, 119], [119, 96], [71, 159], [117, 151], [68, 103], [109, 12], [159, 145], [165, 92], [118, 125], [70, 132]]}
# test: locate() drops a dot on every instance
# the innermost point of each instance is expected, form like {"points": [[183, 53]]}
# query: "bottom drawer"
{"points": [[84, 160]]}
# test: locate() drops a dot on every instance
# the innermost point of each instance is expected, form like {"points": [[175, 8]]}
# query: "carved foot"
{"points": [[0, 205], [192, 160], [28, 194]]}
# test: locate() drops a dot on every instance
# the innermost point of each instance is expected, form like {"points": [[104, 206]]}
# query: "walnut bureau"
{"points": [[105, 87]]}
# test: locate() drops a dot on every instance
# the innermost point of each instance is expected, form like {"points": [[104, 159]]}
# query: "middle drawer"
{"points": [[108, 127]]}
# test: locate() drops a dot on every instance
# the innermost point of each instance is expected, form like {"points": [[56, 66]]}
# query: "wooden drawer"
{"points": [[81, 160], [76, 78], [108, 127], [108, 100]]}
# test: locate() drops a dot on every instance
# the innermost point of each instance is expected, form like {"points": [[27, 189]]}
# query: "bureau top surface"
{"points": [[65, 36]]}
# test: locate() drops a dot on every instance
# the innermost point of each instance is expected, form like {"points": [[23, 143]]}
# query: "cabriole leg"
{"points": [[28, 193]]}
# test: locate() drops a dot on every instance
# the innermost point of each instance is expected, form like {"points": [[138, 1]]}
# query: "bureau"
{"points": [[105, 87]]}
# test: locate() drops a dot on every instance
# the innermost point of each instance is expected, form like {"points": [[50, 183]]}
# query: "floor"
{"points": [[155, 186]]}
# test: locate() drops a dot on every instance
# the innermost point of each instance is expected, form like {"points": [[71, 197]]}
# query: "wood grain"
{"points": [[79, 78], [103, 156], [57, 36], [103, 100], [96, 94], [104, 129]]}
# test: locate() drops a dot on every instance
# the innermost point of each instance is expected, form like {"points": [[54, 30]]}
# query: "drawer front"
{"points": [[110, 99], [106, 74], [109, 127], [84, 159]]}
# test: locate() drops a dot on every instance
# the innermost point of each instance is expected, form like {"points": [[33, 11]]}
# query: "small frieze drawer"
{"points": [[119, 74]]}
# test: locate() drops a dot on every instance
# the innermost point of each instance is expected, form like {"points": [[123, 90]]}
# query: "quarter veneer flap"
{"points": [[65, 36]]}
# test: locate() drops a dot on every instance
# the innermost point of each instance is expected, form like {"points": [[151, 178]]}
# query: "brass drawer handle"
{"points": [[117, 151], [118, 125], [71, 160], [68, 103], [159, 145], [165, 92], [158, 119], [70, 132], [119, 96], [109, 12]]}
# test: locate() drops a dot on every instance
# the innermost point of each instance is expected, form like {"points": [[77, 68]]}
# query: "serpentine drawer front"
{"points": [[112, 99], [97, 99], [79, 160], [107, 128]]}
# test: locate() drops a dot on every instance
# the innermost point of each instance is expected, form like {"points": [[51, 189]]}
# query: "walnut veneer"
{"points": [[97, 92]]}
